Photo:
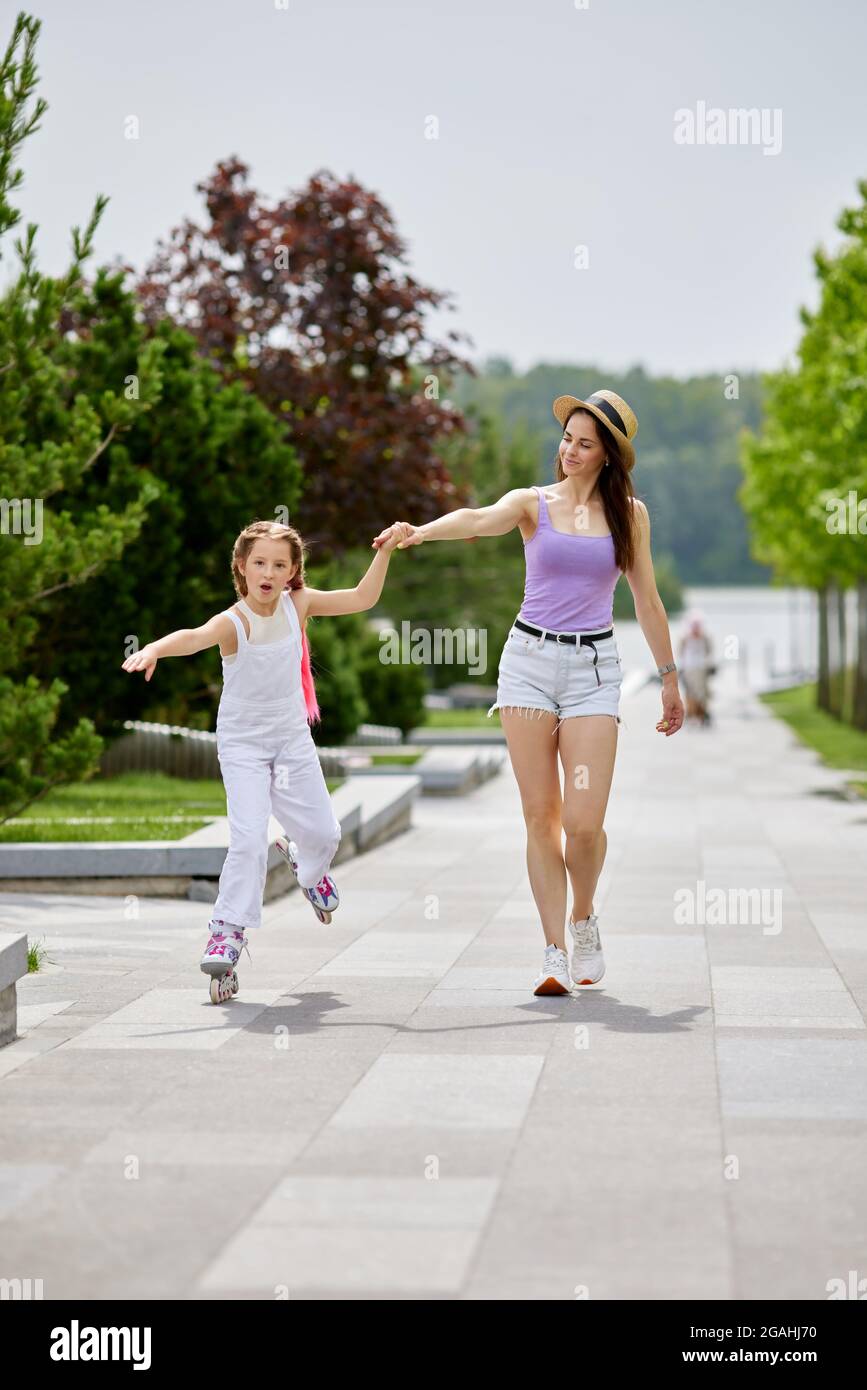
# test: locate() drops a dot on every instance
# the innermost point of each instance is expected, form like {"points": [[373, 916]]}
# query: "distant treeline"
{"points": [[687, 467]]}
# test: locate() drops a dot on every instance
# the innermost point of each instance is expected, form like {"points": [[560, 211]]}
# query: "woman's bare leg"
{"points": [[532, 745], [588, 746]]}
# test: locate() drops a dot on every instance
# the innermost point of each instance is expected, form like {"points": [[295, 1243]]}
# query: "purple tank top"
{"points": [[570, 578]]}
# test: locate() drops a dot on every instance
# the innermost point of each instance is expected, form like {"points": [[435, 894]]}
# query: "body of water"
{"points": [[759, 634]]}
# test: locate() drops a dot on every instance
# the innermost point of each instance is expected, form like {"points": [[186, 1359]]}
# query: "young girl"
{"points": [[267, 756]]}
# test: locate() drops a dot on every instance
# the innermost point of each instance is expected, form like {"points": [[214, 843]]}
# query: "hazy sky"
{"points": [[556, 130]]}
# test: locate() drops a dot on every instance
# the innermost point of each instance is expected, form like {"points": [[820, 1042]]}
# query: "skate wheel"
{"points": [[223, 987], [322, 914]]}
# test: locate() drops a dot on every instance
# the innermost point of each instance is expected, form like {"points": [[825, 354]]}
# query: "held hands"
{"points": [[672, 710], [142, 661], [397, 537]]}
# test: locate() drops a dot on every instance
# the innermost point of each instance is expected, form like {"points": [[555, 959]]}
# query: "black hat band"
{"points": [[608, 409]]}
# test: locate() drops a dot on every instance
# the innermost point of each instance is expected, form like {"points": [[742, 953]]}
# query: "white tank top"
{"points": [[264, 629], [266, 674]]}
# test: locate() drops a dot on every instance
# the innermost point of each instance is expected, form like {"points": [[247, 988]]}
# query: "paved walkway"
{"points": [[387, 1111]]}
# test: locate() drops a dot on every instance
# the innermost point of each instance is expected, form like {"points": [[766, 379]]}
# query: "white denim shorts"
{"points": [[536, 674]]}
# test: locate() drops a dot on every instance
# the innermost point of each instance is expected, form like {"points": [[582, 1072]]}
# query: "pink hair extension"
{"points": [[307, 681]]}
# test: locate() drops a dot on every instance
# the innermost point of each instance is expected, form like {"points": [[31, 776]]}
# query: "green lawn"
{"points": [[838, 744], [134, 806], [408, 758], [459, 719]]}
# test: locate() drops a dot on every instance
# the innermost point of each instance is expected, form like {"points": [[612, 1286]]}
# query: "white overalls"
{"points": [[269, 762]]}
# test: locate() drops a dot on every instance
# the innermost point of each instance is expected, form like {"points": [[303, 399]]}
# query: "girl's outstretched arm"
{"points": [[468, 522], [185, 642], [331, 602]]}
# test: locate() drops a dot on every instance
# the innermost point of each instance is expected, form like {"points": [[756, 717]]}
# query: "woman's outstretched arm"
{"points": [[468, 522]]}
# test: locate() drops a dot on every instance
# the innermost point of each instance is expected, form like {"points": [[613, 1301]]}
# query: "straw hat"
{"points": [[614, 413]]}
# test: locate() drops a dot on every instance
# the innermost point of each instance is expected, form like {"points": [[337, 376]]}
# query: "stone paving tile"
{"points": [[388, 1102], [473, 998], [103, 1236], [201, 1148], [30, 1016], [465, 1029], [796, 1079], [318, 1232], [796, 1023], [24, 1052], [601, 1280], [807, 1271], [484, 1092], [791, 996], [407, 953], [638, 1161], [744, 946], [19, 1182], [357, 1261], [449, 1152], [411, 1203], [675, 1010], [183, 1020], [849, 927], [621, 1245]]}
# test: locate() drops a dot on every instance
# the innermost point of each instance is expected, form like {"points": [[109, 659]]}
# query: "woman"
{"points": [[695, 658], [560, 660]]}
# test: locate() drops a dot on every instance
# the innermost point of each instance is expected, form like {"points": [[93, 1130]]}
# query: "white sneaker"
{"points": [[553, 978], [588, 962]]}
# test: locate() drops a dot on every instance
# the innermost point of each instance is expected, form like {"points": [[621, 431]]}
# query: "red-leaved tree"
{"points": [[307, 301]]}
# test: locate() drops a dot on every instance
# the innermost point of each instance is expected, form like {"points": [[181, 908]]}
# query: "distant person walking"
{"points": [[695, 659], [561, 660]]}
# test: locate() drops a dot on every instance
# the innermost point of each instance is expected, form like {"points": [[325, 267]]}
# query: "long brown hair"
{"points": [[276, 531], [615, 488]]}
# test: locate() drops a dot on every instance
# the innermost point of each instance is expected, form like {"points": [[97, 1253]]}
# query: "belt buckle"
{"points": [[561, 636]]}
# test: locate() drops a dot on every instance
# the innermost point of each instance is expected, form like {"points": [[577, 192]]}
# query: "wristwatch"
{"points": [[662, 670]]}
